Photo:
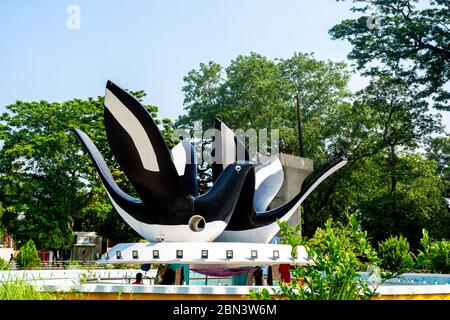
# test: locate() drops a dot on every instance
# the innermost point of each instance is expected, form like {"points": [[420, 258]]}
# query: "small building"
{"points": [[86, 246]]}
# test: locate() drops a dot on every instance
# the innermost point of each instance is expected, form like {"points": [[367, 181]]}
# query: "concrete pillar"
{"points": [[179, 276], [295, 169]]}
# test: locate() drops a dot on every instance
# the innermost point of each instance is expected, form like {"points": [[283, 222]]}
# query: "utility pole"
{"points": [[301, 151], [299, 126]]}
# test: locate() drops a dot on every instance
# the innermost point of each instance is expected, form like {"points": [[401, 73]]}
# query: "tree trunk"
{"points": [[300, 141], [392, 164], [300, 127]]}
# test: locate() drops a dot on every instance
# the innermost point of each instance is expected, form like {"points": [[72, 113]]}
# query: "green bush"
{"points": [[28, 257], [333, 275], [435, 256], [395, 255], [345, 235], [440, 256]]}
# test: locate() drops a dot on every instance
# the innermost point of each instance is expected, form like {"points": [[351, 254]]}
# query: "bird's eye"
{"points": [[238, 168]]}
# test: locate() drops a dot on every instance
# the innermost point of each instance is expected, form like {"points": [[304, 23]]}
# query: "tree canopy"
{"points": [[411, 39], [259, 93]]}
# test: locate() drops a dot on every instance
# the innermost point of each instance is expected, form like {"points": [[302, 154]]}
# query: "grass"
{"points": [[22, 290]]}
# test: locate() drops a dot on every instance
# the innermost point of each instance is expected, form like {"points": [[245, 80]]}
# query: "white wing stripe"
{"points": [[179, 158], [265, 172], [132, 125], [228, 146]]}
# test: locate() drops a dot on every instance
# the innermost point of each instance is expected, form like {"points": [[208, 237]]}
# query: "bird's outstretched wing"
{"points": [[262, 226], [124, 200], [284, 212], [139, 147], [227, 149], [269, 177]]}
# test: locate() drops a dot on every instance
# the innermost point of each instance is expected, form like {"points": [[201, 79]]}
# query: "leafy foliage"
{"points": [[28, 257], [412, 41], [345, 235], [417, 202], [259, 93], [291, 236], [332, 274], [395, 254], [439, 151], [408, 56], [435, 256], [2, 211]]}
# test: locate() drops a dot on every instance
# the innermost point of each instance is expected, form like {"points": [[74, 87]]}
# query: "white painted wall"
{"points": [[5, 253]]}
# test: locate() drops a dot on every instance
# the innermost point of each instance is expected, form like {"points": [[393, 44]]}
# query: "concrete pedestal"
{"points": [[296, 169]]}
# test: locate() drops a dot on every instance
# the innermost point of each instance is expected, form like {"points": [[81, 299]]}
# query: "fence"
{"points": [[64, 265], [100, 276]]}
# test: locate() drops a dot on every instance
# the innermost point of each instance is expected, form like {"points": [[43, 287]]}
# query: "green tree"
{"points": [[412, 41], [2, 211], [417, 202], [201, 95], [320, 87], [254, 93], [388, 118], [259, 93], [28, 257], [48, 183], [399, 117], [439, 151]]}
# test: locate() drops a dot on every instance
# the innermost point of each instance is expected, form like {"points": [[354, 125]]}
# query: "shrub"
{"points": [[334, 274], [435, 256], [28, 257], [395, 254], [344, 234], [440, 256]]}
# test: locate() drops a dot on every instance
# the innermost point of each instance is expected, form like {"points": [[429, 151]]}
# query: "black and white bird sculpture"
{"points": [[169, 207], [250, 222], [229, 149]]}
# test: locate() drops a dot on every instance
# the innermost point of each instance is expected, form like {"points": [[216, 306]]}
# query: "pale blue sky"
{"points": [[151, 44]]}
